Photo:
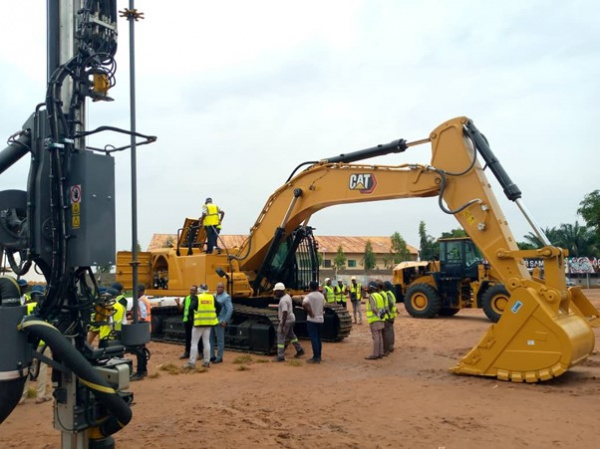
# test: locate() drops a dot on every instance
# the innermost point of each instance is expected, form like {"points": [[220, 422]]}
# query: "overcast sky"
{"points": [[239, 93]]}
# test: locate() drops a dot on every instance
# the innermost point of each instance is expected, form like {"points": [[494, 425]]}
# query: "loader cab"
{"points": [[459, 258]]}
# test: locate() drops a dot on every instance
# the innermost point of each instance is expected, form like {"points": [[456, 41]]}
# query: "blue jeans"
{"points": [[314, 332], [217, 341]]}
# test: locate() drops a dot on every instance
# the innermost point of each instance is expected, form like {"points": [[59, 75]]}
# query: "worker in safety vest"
{"points": [[188, 320], [205, 317], [37, 293], [354, 290], [121, 299], [210, 219], [328, 292], [115, 317], [340, 293], [375, 317], [388, 333]]}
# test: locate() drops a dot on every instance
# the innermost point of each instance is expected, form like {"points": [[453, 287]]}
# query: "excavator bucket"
{"points": [[533, 341], [583, 307]]}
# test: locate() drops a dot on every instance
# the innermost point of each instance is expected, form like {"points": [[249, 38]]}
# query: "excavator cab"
{"points": [[293, 260]]}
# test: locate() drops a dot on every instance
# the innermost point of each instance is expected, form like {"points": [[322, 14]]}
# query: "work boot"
{"points": [[299, 353], [189, 365], [279, 358], [206, 364], [372, 357], [138, 376]]}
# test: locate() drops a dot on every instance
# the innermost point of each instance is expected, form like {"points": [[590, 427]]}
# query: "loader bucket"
{"points": [[583, 307], [534, 340]]}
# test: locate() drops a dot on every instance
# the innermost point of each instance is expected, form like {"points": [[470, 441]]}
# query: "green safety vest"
{"points": [[30, 306], [186, 308], [121, 299], [329, 295], [391, 299], [212, 215], [340, 295], [117, 324], [206, 315], [356, 290], [380, 303]]}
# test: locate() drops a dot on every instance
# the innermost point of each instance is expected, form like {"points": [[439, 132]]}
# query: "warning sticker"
{"points": [[469, 217], [75, 208], [515, 308], [76, 194], [75, 222]]}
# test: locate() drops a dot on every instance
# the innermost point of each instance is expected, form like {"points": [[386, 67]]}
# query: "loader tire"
{"points": [[494, 300], [422, 301]]}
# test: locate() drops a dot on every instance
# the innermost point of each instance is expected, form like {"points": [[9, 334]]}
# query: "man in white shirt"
{"points": [[287, 319], [313, 304]]}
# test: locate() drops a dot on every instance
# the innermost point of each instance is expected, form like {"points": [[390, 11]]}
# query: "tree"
{"points": [[399, 249], [551, 234], [454, 233], [589, 209], [369, 257], [104, 269], [429, 248], [579, 240], [339, 261]]}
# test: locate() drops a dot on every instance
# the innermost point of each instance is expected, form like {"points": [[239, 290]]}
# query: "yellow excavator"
{"points": [[545, 329]]}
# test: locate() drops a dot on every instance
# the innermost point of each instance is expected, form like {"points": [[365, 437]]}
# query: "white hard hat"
{"points": [[327, 280], [279, 287], [353, 278]]}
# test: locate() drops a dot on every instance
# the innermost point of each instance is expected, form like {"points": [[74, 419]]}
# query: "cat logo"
{"points": [[363, 182]]}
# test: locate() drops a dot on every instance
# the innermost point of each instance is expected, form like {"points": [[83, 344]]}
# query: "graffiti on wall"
{"points": [[575, 265]]}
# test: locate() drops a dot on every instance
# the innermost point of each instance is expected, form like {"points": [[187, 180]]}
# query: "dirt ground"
{"points": [[406, 400]]}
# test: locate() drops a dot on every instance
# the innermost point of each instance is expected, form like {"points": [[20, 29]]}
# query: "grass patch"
{"points": [[295, 362], [155, 375], [170, 368], [243, 359], [243, 368], [31, 393], [262, 361]]}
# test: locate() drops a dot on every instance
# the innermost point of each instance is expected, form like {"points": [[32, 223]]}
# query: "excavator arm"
{"points": [[546, 328]]}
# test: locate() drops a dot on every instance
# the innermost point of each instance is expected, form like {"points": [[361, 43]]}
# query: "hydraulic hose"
{"points": [[64, 351], [16, 352]]}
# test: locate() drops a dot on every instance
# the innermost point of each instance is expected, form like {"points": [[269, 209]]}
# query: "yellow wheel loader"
{"points": [[459, 279]]}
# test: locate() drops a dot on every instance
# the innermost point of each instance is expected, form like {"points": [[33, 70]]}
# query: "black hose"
{"points": [[64, 351], [14, 359], [10, 395]]}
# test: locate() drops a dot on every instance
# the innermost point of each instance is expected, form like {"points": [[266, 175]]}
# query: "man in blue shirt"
{"points": [[224, 312]]}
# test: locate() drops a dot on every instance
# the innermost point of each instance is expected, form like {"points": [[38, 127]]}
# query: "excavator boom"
{"points": [[542, 332]]}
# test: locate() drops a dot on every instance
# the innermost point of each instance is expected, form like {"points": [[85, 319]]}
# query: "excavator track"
{"points": [[252, 329], [337, 326]]}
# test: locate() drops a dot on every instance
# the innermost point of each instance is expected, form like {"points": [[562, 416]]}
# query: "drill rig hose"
{"points": [[65, 352]]}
